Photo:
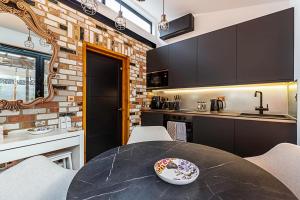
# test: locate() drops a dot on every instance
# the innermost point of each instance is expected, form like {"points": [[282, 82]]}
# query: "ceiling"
{"points": [[178, 8]]}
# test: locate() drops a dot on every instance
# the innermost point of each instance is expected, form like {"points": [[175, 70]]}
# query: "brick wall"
{"points": [[69, 26]]}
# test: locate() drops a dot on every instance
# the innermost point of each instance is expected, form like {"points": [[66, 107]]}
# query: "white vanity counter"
{"points": [[21, 145]]}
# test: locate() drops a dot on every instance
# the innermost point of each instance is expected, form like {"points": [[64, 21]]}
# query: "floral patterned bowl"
{"points": [[176, 171]]}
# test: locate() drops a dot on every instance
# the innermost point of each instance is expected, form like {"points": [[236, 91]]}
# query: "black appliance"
{"points": [[156, 102], [216, 105], [157, 79], [188, 120]]}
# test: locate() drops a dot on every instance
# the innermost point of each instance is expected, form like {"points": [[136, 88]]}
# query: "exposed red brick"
{"points": [[47, 105], [76, 119], [20, 118]]}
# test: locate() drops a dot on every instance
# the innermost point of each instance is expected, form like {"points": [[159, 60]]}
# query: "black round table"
{"points": [[127, 173]]}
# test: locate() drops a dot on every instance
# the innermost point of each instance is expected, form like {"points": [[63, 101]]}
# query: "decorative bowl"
{"points": [[176, 171]]}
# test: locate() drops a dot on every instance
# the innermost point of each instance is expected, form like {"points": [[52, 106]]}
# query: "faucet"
{"points": [[261, 109]]}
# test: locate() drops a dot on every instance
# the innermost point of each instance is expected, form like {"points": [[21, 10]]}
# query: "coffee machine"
{"points": [[156, 102]]}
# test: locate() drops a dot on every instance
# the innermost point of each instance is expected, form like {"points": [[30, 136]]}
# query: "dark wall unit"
{"points": [[214, 132], [254, 138], [152, 119], [178, 27], [217, 57], [183, 64], [158, 59], [265, 48]]}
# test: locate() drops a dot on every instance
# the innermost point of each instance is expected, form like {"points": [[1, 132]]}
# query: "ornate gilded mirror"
{"points": [[27, 54]]}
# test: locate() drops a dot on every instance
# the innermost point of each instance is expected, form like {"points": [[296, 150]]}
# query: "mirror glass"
{"points": [[24, 61]]}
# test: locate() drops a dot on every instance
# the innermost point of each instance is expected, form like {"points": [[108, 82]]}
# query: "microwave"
{"points": [[158, 79]]}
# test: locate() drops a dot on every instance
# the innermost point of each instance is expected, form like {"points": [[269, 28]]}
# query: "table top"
{"points": [[127, 173]]}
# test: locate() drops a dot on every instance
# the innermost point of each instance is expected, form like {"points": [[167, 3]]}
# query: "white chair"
{"points": [[36, 178], [283, 162], [149, 133], [65, 157]]}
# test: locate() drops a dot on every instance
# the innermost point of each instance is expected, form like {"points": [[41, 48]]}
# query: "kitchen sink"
{"points": [[265, 116]]}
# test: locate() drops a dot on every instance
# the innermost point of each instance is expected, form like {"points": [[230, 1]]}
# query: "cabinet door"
{"points": [[158, 59], [183, 64], [217, 57], [214, 132], [152, 119], [253, 138], [265, 49]]}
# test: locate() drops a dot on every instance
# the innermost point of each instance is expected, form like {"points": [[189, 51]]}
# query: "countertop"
{"points": [[21, 138], [230, 115], [127, 172]]}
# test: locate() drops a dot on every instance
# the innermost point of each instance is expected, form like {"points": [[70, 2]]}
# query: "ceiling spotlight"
{"points": [[28, 43], [163, 25]]}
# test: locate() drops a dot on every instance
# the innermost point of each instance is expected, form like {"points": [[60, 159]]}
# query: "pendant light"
{"points": [[28, 43], [163, 25], [90, 7], [120, 21], [43, 42]]}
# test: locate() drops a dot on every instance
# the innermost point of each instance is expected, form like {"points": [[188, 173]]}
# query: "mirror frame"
{"points": [[22, 10]]}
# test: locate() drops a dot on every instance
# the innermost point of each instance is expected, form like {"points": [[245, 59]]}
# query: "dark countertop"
{"points": [[231, 115], [126, 173]]}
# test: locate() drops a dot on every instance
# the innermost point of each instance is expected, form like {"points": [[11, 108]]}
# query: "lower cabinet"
{"points": [[244, 138], [253, 138], [214, 132], [152, 119]]}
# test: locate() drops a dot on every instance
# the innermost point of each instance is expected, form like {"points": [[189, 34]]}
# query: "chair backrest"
{"points": [[149, 133], [283, 162], [35, 178]]}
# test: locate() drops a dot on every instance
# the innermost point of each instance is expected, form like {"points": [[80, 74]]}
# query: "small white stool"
{"points": [[66, 158]]}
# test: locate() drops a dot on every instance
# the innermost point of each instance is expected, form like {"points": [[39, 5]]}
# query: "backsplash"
{"points": [[71, 28], [279, 97]]}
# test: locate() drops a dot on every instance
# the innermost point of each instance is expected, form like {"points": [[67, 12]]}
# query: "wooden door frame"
{"points": [[125, 86]]}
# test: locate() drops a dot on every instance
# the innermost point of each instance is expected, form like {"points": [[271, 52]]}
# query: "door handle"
{"points": [[120, 109]]}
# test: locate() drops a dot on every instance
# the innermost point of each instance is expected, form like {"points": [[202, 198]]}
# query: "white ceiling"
{"points": [[178, 8]]}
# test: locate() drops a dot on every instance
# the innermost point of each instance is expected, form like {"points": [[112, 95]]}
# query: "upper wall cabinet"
{"points": [[183, 64], [217, 57], [265, 48], [158, 59]]}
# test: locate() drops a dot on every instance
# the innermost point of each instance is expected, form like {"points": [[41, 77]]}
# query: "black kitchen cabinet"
{"points": [[253, 138], [214, 132], [158, 59], [265, 48], [217, 57], [152, 119], [183, 64]]}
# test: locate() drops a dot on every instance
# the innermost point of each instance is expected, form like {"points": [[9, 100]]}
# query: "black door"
{"points": [[104, 98], [183, 64], [265, 48], [217, 57], [253, 138], [158, 59], [214, 132]]}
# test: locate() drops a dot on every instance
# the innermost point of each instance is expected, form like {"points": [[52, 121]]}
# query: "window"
{"points": [[130, 14]]}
